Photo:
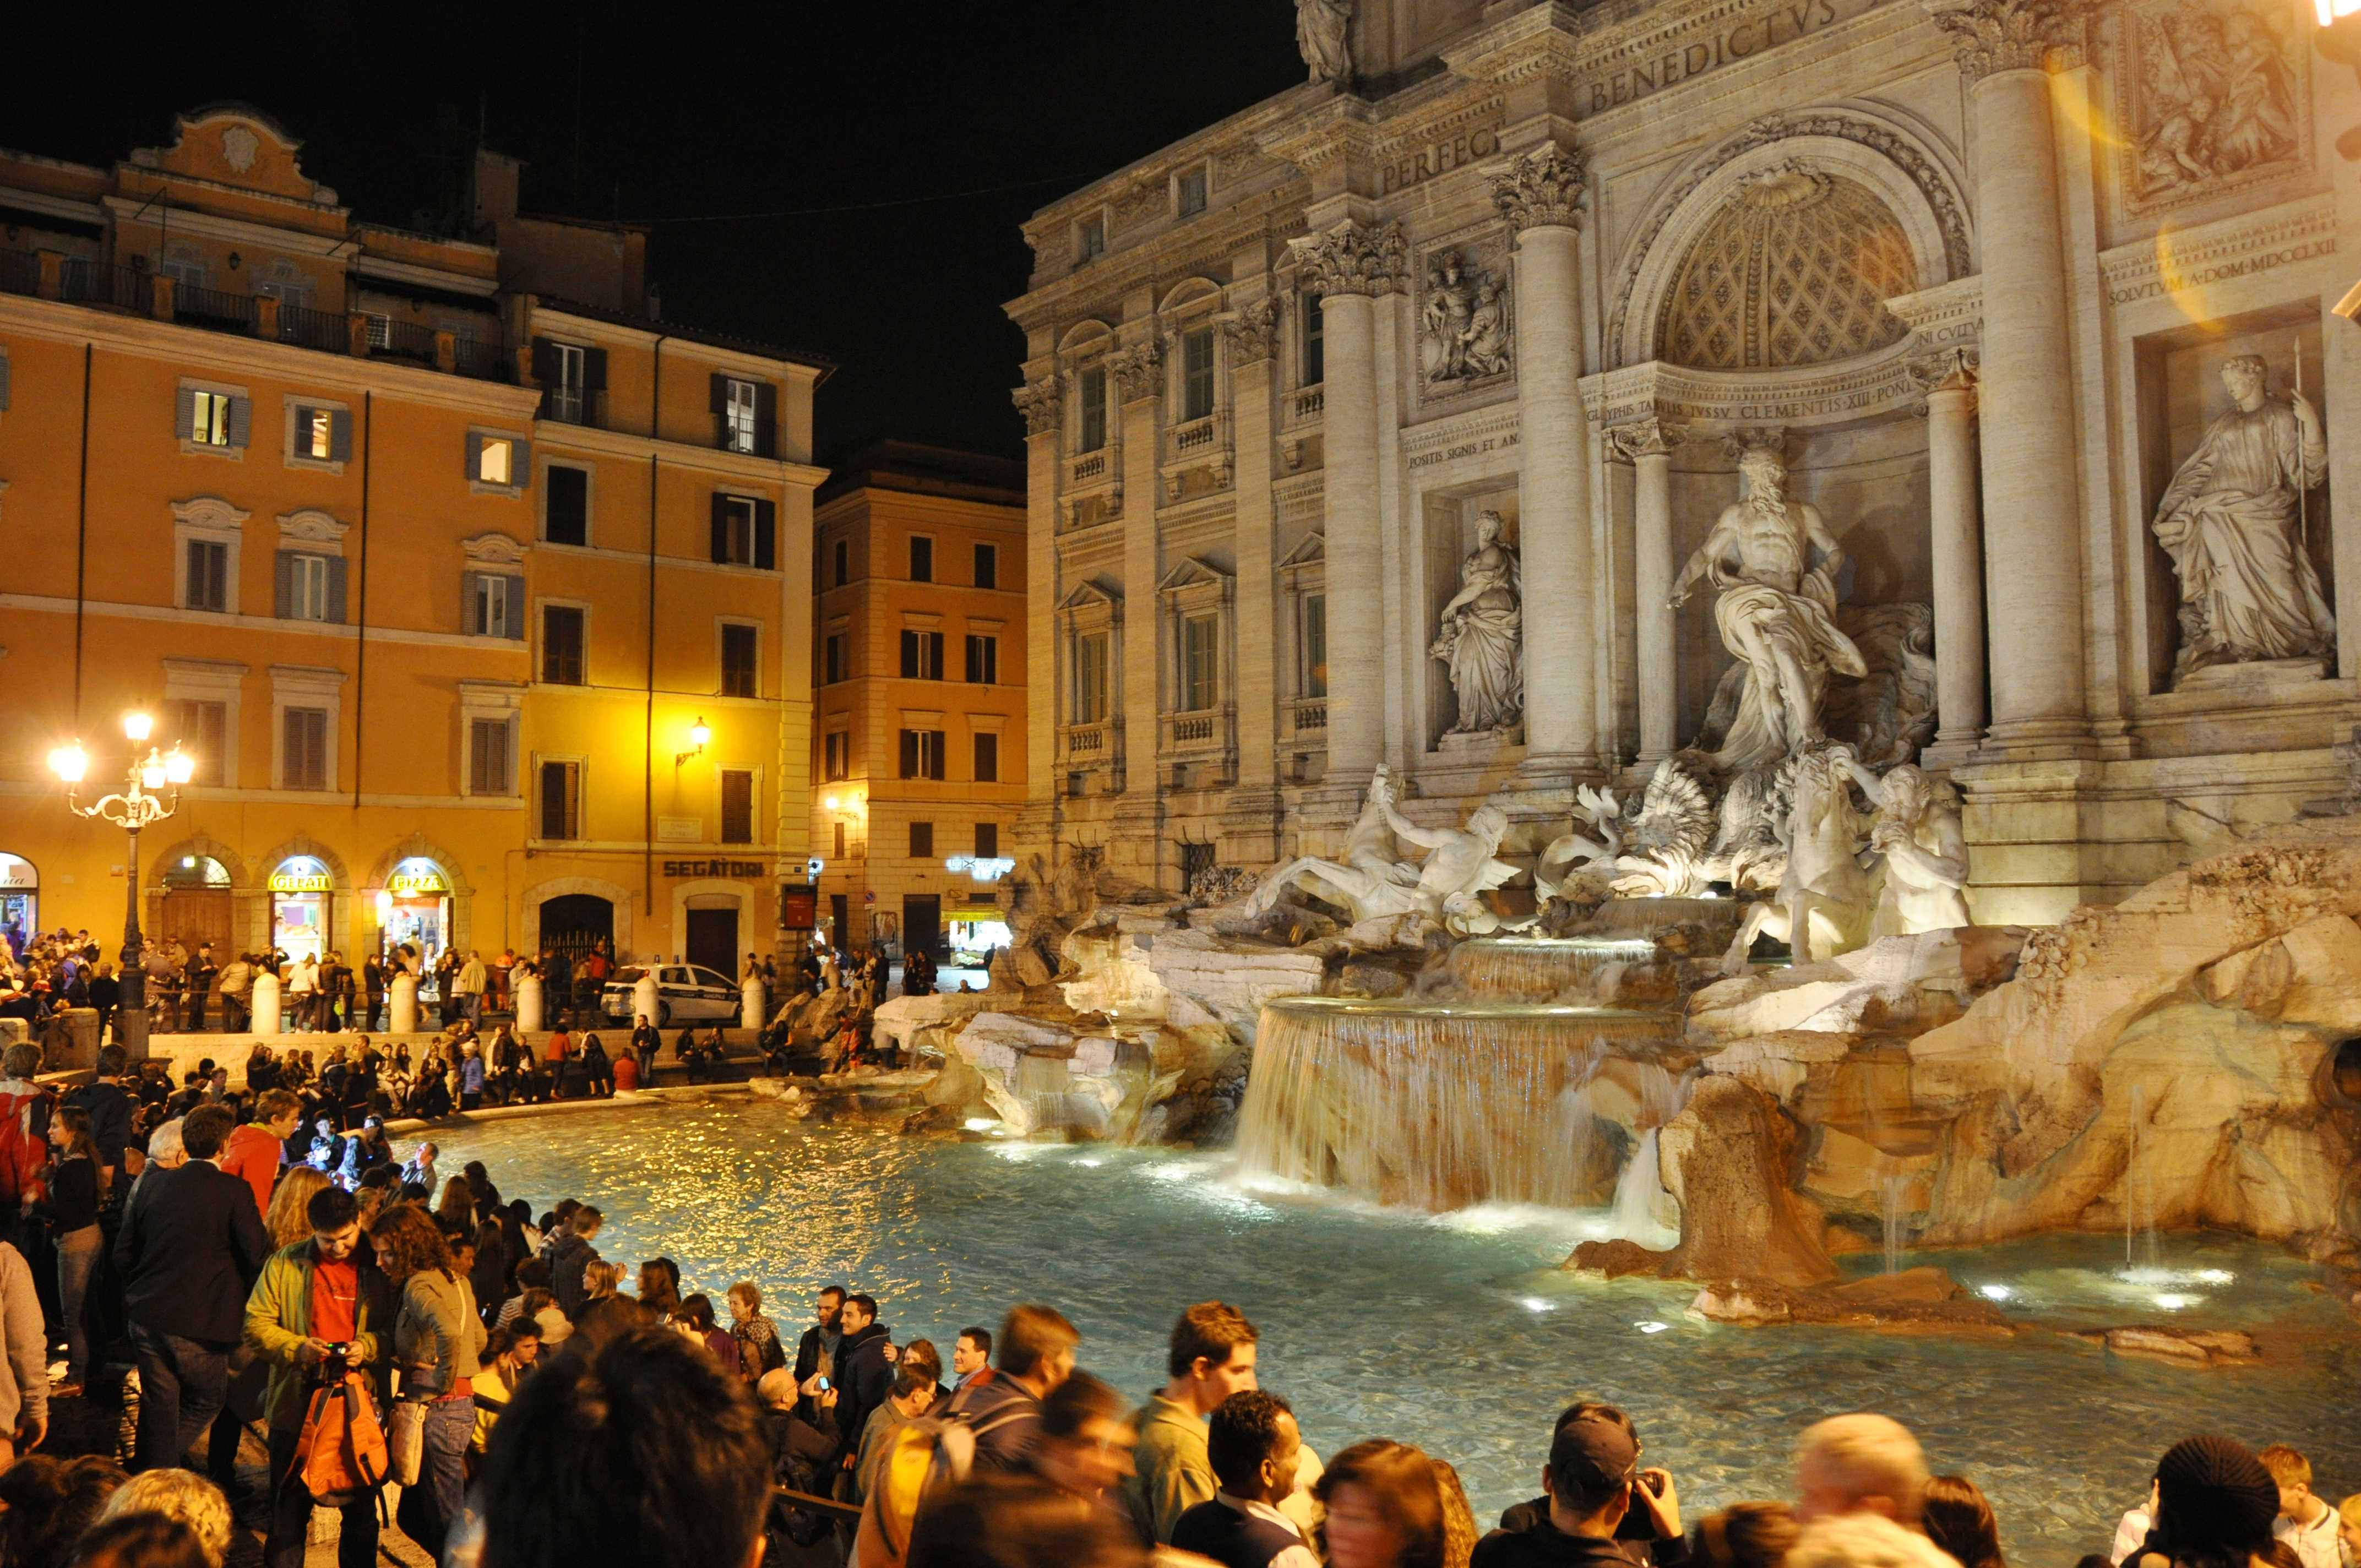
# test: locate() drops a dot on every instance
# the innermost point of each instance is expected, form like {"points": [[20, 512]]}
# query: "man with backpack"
{"points": [[1035, 1354], [320, 1308]]}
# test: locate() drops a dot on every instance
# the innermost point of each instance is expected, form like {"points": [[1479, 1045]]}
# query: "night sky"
{"points": [[661, 113]]}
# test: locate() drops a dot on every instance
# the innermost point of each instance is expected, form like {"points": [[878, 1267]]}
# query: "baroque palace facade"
{"points": [[1375, 423], [480, 595]]}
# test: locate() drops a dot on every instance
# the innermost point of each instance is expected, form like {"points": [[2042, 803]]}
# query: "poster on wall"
{"points": [[798, 907]]}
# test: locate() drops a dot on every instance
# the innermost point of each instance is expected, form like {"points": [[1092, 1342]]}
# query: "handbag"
{"points": [[405, 1441]]}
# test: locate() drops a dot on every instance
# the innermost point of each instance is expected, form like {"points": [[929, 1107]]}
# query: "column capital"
{"points": [[1138, 370], [1993, 35], [1040, 402], [1951, 370], [1649, 437], [1540, 188], [1354, 259], [1252, 333]]}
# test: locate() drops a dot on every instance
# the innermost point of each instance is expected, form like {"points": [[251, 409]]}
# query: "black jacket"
{"points": [[1547, 1546], [864, 1377], [189, 1251]]}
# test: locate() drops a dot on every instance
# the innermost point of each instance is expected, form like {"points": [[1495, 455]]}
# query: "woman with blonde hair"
{"points": [[287, 1221], [1459, 1531]]}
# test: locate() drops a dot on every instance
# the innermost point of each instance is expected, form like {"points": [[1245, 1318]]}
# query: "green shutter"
{"points": [[3, 380], [284, 565], [720, 528], [336, 591], [766, 419], [340, 437], [187, 412], [471, 603], [241, 421], [521, 462], [475, 457]]}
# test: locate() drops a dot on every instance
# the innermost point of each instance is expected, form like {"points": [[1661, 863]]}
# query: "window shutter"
{"points": [[284, 562], [767, 524], [4, 382], [475, 457], [720, 528], [187, 413], [544, 376], [241, 421], [521, 462], [717, 393], [516, 606], [340, 437], [594, 369], [336, 591], [909, 753], [766, 418], [471, 603]]}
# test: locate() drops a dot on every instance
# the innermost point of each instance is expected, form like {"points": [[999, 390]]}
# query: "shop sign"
{"points": [[980, 868], [798, 908], [16, 874], [290, 878], [716, 868], [411, 884]]}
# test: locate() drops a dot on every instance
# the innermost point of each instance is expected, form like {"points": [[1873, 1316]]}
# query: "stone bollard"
{"points": [[401, 1012], [752, 1000], [82, 1041], [528, 1003], [265, 1005], [646, 1001]]}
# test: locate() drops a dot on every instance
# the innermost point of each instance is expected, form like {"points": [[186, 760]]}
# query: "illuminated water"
{"points": [[1455, 1331]]}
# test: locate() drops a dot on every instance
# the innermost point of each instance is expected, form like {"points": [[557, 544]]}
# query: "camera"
{"points": [[337, 1363]]}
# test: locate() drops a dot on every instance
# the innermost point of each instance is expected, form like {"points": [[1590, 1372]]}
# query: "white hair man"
{"points": [[1860, 1481]]}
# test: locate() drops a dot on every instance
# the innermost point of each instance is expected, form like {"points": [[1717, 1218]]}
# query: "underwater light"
{"points": [[2216, 1276], [1094, 1163], [2173, 1303], [1535, 1304], [980, 1124], [1997, 1292], [1652, 1328]]}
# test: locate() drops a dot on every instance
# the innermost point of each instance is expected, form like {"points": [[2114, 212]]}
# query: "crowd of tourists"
{"points": [[363, 1319]]}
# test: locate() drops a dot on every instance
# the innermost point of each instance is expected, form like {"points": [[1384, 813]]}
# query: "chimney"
{"points": [[496, 186]]}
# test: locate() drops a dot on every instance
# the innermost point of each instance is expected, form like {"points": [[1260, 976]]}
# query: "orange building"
{"points": [[920, 670], [482, 608]]}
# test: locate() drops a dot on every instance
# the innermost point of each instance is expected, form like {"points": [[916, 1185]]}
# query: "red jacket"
{"points": [[24, 1140], [252, 1155]]}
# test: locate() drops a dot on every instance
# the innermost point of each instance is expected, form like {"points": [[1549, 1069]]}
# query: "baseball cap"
{"points": [[1592, 1456]]}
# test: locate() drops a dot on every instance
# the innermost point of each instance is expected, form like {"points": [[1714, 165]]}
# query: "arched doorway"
{"points": [[301, 892], [195, 907], [20, 900], [413, 908], [573, 923]]}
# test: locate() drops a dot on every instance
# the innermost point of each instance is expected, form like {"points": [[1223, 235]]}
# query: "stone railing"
{"points": [[1308, 715], [1302, 409]]}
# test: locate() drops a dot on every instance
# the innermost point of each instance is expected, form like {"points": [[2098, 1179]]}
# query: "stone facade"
{"points": [[1974, 268]]}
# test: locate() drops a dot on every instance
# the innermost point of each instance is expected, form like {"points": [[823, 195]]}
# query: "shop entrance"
{"points": [[839, 922], [301, 892], [415, 909], [712, 940], [922, 923], [572, 926], [20, 897], [196, 906]]}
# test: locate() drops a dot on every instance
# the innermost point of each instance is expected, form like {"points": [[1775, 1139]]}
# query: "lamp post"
{"points": [[136, 807]]}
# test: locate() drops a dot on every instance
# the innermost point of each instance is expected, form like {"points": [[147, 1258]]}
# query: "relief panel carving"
{"points": [[2218, 96], [1465, 321]]}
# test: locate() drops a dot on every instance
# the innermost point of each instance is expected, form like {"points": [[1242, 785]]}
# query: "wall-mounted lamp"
{"points": [[699, 734]]}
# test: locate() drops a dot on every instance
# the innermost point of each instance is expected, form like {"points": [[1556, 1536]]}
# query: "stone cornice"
{"points": [[1098, 289], [1340, 128], [1723, 402], [1540, 41], [2237, 247]]}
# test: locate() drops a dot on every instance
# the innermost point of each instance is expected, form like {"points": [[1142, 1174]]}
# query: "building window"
{"points": [[305, 593], [204, 734], [833, 664], [843, 562], [987, 759], [737, 806], [1196, 859], [209, 421], [208, 584], [1200, 662], [303, 756], [839, 840], [987, 565], [733, 531], [738, 415], [561, 800], [984, 660], [567, 520], [1315, 342], [323, 435], [988, 840], [1090, 679], [568, 382], [1091, 395], [491, 756], [922, 656], [1197, 374], [1315, 645], [1192, 192], [836, 763], [561, 644], [922, 753], [1090, 239], [922, 840], [495, 605], [922, 559], [739, 675]]}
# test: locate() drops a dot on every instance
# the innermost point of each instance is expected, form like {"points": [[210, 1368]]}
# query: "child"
{"points": [[2305, 1522]]}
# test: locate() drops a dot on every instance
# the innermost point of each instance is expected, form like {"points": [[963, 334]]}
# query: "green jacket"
{"points": [[1173, 1473], [279, 1320]]}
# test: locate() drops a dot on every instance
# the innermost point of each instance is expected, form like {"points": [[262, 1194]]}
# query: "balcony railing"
{"points": [[77, 280], [1302, 408], [1088, 742], [575, 405], [1310, 715], [1198, 730], [1199, 441], [1091, 465]]}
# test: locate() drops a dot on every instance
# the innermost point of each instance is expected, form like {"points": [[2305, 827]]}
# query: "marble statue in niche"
{"points": [[1775, 565], [1480, 635], [2233, 521], [1463, 331], [2219, 93], [1320, 33]]}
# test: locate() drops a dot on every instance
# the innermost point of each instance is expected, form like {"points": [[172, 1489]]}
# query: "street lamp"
{"points": [[138, 806], [699, 734]]}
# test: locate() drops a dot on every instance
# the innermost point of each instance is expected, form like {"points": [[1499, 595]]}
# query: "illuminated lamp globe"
{"points": [[138, 725], [180, 767], [69, 763], [151, 773], [700, 733]]}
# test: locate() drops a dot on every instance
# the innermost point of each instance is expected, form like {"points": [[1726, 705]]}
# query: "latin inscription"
{"points": [[1783, 23], [1453, 454], [1421, 164]]}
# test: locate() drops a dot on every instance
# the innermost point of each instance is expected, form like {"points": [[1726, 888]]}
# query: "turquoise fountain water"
{"points": [[1456, 1332]]}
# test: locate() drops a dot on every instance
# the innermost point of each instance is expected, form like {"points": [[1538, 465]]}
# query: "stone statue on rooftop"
{"points": [[1320, 29]]}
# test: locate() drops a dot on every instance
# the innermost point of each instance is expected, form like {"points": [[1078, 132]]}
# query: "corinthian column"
{"points": [[1250, 822], [1042, 404], [1647, 444], [1957, 553], [2033, 532], [1139, 374], [1350, 267], [1539, 193]]}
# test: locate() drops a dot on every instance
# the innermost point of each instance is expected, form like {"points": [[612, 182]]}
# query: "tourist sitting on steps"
{"points": [[1252, 1443]]}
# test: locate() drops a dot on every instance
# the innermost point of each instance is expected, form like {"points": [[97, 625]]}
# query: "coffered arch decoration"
{"points": [[1805, 210]]}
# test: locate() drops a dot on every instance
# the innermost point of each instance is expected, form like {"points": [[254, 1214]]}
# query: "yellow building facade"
{"points": [[484, 613], [919, 666]]}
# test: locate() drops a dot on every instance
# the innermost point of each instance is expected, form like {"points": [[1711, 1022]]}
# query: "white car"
{"points": [[685, 993]]}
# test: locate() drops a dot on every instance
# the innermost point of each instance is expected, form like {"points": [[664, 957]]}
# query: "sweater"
{"points": [[1172, 1474], [437, 1334]]}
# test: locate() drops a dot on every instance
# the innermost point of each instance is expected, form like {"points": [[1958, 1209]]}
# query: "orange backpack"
{"points": [[340, 1454]]}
